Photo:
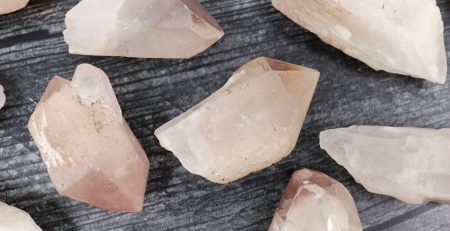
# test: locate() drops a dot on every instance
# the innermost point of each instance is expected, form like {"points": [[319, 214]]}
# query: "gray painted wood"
{"points": [[151, 92]]}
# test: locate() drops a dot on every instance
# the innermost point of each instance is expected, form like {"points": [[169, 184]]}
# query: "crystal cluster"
{"points": [[410, 164], [249, 124], [14, 219], [90, 152], [8, 6], [314, 201], [402, 36], [140, 28]]}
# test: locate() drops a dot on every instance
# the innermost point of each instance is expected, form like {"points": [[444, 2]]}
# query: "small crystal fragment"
{"points": [[14, 219], [314, 201], [8, 6], [90, 152], [2, 97], [410, 164], [402, 36], [140, 28], [249, 124]]}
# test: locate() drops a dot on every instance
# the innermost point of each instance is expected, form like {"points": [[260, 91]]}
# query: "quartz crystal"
{"points": [[247, 125], [2, 97], [8, 6], [410, 164], [140, 28], [314, 201], [401, 36], [90, 152], [14, 219]]}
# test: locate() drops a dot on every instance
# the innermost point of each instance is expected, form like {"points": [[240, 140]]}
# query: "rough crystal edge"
{"points": [[277, 65]]}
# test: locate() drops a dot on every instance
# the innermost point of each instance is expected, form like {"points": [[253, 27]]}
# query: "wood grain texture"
{"points": [[151, 92]]}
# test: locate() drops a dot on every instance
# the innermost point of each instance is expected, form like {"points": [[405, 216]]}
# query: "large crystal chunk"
{"points": [[14, 219], [410, 164], [8, 6], [249, 124], [90, 152], [402, 36], [140, 28], [314, 201]]}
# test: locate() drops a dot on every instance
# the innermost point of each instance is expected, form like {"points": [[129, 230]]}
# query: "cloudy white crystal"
{"points": [[140, 28], [247, 125], [8, 6], [410, 164], [14, 219], [402, 36]]}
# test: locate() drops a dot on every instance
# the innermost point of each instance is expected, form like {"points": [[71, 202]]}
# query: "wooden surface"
{"points": [[151, 92]]}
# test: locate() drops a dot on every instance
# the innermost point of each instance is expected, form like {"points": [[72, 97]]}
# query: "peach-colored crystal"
{"points": [[90, 152], [314, 201], [249, 124], [8, 6], [140, 28]]}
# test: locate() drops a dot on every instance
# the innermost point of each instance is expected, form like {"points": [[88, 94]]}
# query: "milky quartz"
{"points": [[247, 125], [411, 164], [314, 201], [8, 6], [14, 219], [90, 152], [140, 28], [401, 36], [2, 97]]}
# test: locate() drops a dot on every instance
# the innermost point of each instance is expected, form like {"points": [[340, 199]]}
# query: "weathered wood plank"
{"points": [[152, 92]]}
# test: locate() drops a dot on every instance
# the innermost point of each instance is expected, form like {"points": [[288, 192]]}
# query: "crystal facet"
{"points": [[402, 36], [249, 124], [314, 201], [14, 219], [8, 6], [410, 164], [90, 152], [2, 97], [140, 28]]}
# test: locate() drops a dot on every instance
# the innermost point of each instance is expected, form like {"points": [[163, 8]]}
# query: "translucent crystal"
{"points": [[314, 201], [140, 28], [14, 219], [8, 6], [249, 124], [90, 152], [410, 164], [402, 36]]}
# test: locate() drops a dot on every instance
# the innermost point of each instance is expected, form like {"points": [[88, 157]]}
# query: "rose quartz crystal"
{"points": [[8, 6], [249, 124], [140, 28], [401, 36], [14, 219], [90, 152], [314, 201]]}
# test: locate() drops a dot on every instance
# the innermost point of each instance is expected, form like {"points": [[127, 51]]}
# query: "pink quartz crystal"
{"points": [[140, 28], [315, 202], [90, 152]]}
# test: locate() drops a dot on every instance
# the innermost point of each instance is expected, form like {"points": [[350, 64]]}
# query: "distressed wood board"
{"points": [[153, 91]]}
